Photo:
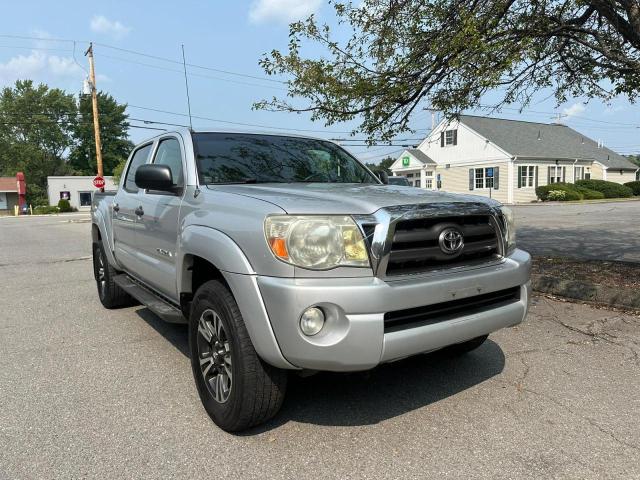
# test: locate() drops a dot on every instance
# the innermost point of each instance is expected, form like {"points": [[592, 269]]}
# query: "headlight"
{"points": [[509, 229], [316, 242]]}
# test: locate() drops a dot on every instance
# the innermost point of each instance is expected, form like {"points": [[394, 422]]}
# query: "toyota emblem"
{"points": [[451, 241]]}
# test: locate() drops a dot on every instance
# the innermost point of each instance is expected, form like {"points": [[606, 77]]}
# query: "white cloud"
{"points": [[40, 67], [285, 11], [101, 24], [573, 110]]}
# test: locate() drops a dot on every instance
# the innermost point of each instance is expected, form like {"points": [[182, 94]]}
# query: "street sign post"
{"points": [[98, 182]]}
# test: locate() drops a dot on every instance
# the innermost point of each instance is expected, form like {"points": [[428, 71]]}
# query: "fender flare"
{"points": [[98, 221], [222, 252]]}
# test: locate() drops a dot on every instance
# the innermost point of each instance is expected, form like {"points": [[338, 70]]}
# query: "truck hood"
{"points": [[347, 199]]}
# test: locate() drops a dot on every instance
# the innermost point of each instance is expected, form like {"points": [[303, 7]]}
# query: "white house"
{"points": [[77, 189], [507, 159]]}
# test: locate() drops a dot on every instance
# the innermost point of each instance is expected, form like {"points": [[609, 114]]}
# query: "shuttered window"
{"points": [[449, 138], [480, 178], [526, 176], [556, 174]]}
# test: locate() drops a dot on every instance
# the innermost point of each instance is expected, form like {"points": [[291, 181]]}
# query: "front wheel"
{"points": [[238, 390]]}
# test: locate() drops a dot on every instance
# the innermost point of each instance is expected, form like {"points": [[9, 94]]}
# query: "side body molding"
{"points": [[221, 251]]}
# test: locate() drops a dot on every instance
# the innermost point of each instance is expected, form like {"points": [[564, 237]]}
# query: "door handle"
{"points": [[139, 211], [116, 207]]}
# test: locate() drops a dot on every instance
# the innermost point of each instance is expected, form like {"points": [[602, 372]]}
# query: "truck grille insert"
{"points": [[416, 248], [440, 312]]}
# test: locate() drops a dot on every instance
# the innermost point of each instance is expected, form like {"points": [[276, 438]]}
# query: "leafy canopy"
{"points": [[404, 54]]}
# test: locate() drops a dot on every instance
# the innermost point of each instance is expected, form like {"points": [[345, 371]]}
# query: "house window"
{"points": [[85, 199], [578, 173], [449, 138], [526, 176], [484, 177], [428, 183], [556, 174]]}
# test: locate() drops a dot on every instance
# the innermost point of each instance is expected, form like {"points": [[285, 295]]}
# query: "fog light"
{"points": [[311, 321]]}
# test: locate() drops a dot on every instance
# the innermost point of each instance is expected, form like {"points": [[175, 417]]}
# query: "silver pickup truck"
{"points": [[285, 253]]}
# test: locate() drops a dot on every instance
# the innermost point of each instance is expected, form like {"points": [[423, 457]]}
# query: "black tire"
{"points": [[466, 347], [110, 294], [254, 391]]}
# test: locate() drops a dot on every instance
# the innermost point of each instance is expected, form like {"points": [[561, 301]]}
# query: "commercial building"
{"points": [[507, 159], [77, 189], [12, 192]]}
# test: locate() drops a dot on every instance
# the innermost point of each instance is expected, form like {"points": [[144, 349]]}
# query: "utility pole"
{"points": [[94, 102]]}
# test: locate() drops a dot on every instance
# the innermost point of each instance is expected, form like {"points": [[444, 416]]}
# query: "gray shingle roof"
{"points": [[420, 155], [531, 139]]}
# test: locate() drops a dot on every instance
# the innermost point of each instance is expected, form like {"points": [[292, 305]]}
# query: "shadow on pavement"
{"points": [[582, 243], [364, 398]]}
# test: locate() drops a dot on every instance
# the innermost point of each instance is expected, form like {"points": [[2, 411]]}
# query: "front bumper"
{"points": [[353, 337]]}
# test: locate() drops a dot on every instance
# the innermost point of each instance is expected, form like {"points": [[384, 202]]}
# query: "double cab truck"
{"points": [[285, 254]]}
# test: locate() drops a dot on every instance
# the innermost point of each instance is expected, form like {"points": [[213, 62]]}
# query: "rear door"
{"points": [[157, 237], [125, 218]]}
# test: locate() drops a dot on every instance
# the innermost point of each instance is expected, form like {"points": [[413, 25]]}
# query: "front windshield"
{"points": [[249, 158]]}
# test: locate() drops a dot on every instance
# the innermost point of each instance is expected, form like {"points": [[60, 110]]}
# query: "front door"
{"points": [[125, 218], [157, 237]]}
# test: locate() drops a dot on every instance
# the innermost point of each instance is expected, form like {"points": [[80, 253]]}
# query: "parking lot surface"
{"points": [[91, 393], [595, 231]]}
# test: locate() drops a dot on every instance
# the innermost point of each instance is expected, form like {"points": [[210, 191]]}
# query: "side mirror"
{"points": [[155, 177], [384, 177]]}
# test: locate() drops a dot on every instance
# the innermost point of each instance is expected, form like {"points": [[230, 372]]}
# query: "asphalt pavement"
{"points": [[594, 231], [91, 393]]}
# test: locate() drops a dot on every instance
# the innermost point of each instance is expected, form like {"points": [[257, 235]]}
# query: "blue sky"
{"points": [[221, 35]]}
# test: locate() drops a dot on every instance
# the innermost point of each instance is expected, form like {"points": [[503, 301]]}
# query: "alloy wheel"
{"points": [[214, 355]]}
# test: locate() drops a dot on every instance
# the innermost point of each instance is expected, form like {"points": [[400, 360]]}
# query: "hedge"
{"points": [[64, 206], [609, 189], [45, 210], [634, 186], [570, 192], [588, 194]]}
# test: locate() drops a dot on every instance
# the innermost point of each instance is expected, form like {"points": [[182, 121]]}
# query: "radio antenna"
{"points": [[186, 84]]}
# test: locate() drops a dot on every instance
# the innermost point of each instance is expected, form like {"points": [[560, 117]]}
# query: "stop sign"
{"points": [[98, 182]]}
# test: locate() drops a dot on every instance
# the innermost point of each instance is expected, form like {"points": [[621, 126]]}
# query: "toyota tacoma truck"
{"points": [[285, 253]]}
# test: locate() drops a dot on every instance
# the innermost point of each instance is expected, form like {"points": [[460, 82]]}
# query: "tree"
{"points": [[35, 124], [113, 134], [384, 165], [634, 159], [449, 53]]}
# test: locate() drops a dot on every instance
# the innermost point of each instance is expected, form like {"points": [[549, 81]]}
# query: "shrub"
{"points": [[570, 192], [634, 186], [589, 194], [558, 195], [45, 210], [609, 189], [64, 206]]}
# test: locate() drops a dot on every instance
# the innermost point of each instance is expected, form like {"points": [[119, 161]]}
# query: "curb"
{"points": [[586, 291]]}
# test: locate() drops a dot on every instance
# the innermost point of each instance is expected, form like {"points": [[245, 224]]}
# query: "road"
{"points": [[91, 393], [600, 231]]}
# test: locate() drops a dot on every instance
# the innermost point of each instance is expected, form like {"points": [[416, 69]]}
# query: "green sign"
{"points": [[405, 161]]}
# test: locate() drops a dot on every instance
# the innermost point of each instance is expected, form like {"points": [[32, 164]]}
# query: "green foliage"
{"points": [[588, 194], [382, 166], [34, 134], [634, 186], [117, 171], [609, 189], [64, 206], [113, 135], [634, 159], [557, 195], [449, 54], [45, 132], [570, 193], [45, 210]]}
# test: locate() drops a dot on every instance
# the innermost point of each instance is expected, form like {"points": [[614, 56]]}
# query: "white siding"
{"points": [[618, 177], [471, 147], [456, 180], [74, 185]]}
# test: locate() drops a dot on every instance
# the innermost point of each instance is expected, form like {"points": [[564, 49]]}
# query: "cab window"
{"points": [[140, 157], [169, 154]]}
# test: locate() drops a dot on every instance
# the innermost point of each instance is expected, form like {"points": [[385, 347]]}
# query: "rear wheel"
{"points": [[238, 390], [465, 347], [110, 294]]}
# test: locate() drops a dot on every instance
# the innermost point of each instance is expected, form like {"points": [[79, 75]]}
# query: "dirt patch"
{"points": [[607, 273]]}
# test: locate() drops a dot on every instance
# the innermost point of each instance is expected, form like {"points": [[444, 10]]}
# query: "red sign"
{"points": [[98, 182]]}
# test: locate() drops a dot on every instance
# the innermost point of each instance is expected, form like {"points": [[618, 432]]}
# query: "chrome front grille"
{"points": [[405, 240], [415, 246]]}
